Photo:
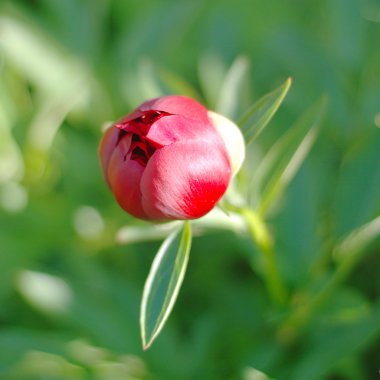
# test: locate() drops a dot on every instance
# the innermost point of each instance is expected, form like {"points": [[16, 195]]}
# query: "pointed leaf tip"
{"points": [[287, 154], [260, 113], [163, 283]]}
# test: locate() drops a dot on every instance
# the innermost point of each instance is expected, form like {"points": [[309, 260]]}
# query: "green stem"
{"points": [[263, 239]]}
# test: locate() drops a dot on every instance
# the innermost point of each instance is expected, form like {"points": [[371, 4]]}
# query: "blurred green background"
{"points": [[70, 286]]}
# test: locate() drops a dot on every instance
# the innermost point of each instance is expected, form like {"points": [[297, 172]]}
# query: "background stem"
{"points": [[263, 239]]}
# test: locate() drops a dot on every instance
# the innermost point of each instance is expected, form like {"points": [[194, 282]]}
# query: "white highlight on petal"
{"points": [[232, 137]]}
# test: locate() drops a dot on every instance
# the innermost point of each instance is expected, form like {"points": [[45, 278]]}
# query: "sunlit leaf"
{"points": [[16, 341], [45, 292], [47, 65], [286, 156], [232, 88], [163, 283], [358, 240], [146, 232], [211, 72], [259, 115], [11, 164], [147, 80], [250, 373], [61, 81]]}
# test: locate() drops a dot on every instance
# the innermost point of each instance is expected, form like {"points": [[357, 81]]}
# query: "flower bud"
{"points": [[170, 159]]}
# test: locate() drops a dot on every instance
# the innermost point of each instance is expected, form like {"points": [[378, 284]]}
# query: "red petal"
{"points": [[124, 177], [133, 115], [184, 180], [106, 147], [133, 127]]}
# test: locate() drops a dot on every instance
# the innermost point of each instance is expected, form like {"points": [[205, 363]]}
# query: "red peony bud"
{"points": [[168, 159]]}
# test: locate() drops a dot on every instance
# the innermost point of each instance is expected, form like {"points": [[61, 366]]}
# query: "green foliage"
{"points": [[163, 283], [285, 284], [283, 160]]}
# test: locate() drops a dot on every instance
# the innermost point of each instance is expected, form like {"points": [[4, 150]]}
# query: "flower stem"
{"points": [[263, 239]]}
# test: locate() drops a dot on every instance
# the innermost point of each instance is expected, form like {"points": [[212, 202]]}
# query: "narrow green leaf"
{"points": [[232, 87], [163, 283], [258, 116], [284, 159]]}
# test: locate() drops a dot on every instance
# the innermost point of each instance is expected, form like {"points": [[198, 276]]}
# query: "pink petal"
{"points": [[173, 104], [184, 180], [106, 147], [124, 177], [170, 129]]}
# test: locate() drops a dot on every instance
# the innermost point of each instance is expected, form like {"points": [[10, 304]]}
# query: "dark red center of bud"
{"points": [[141, 149]]}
